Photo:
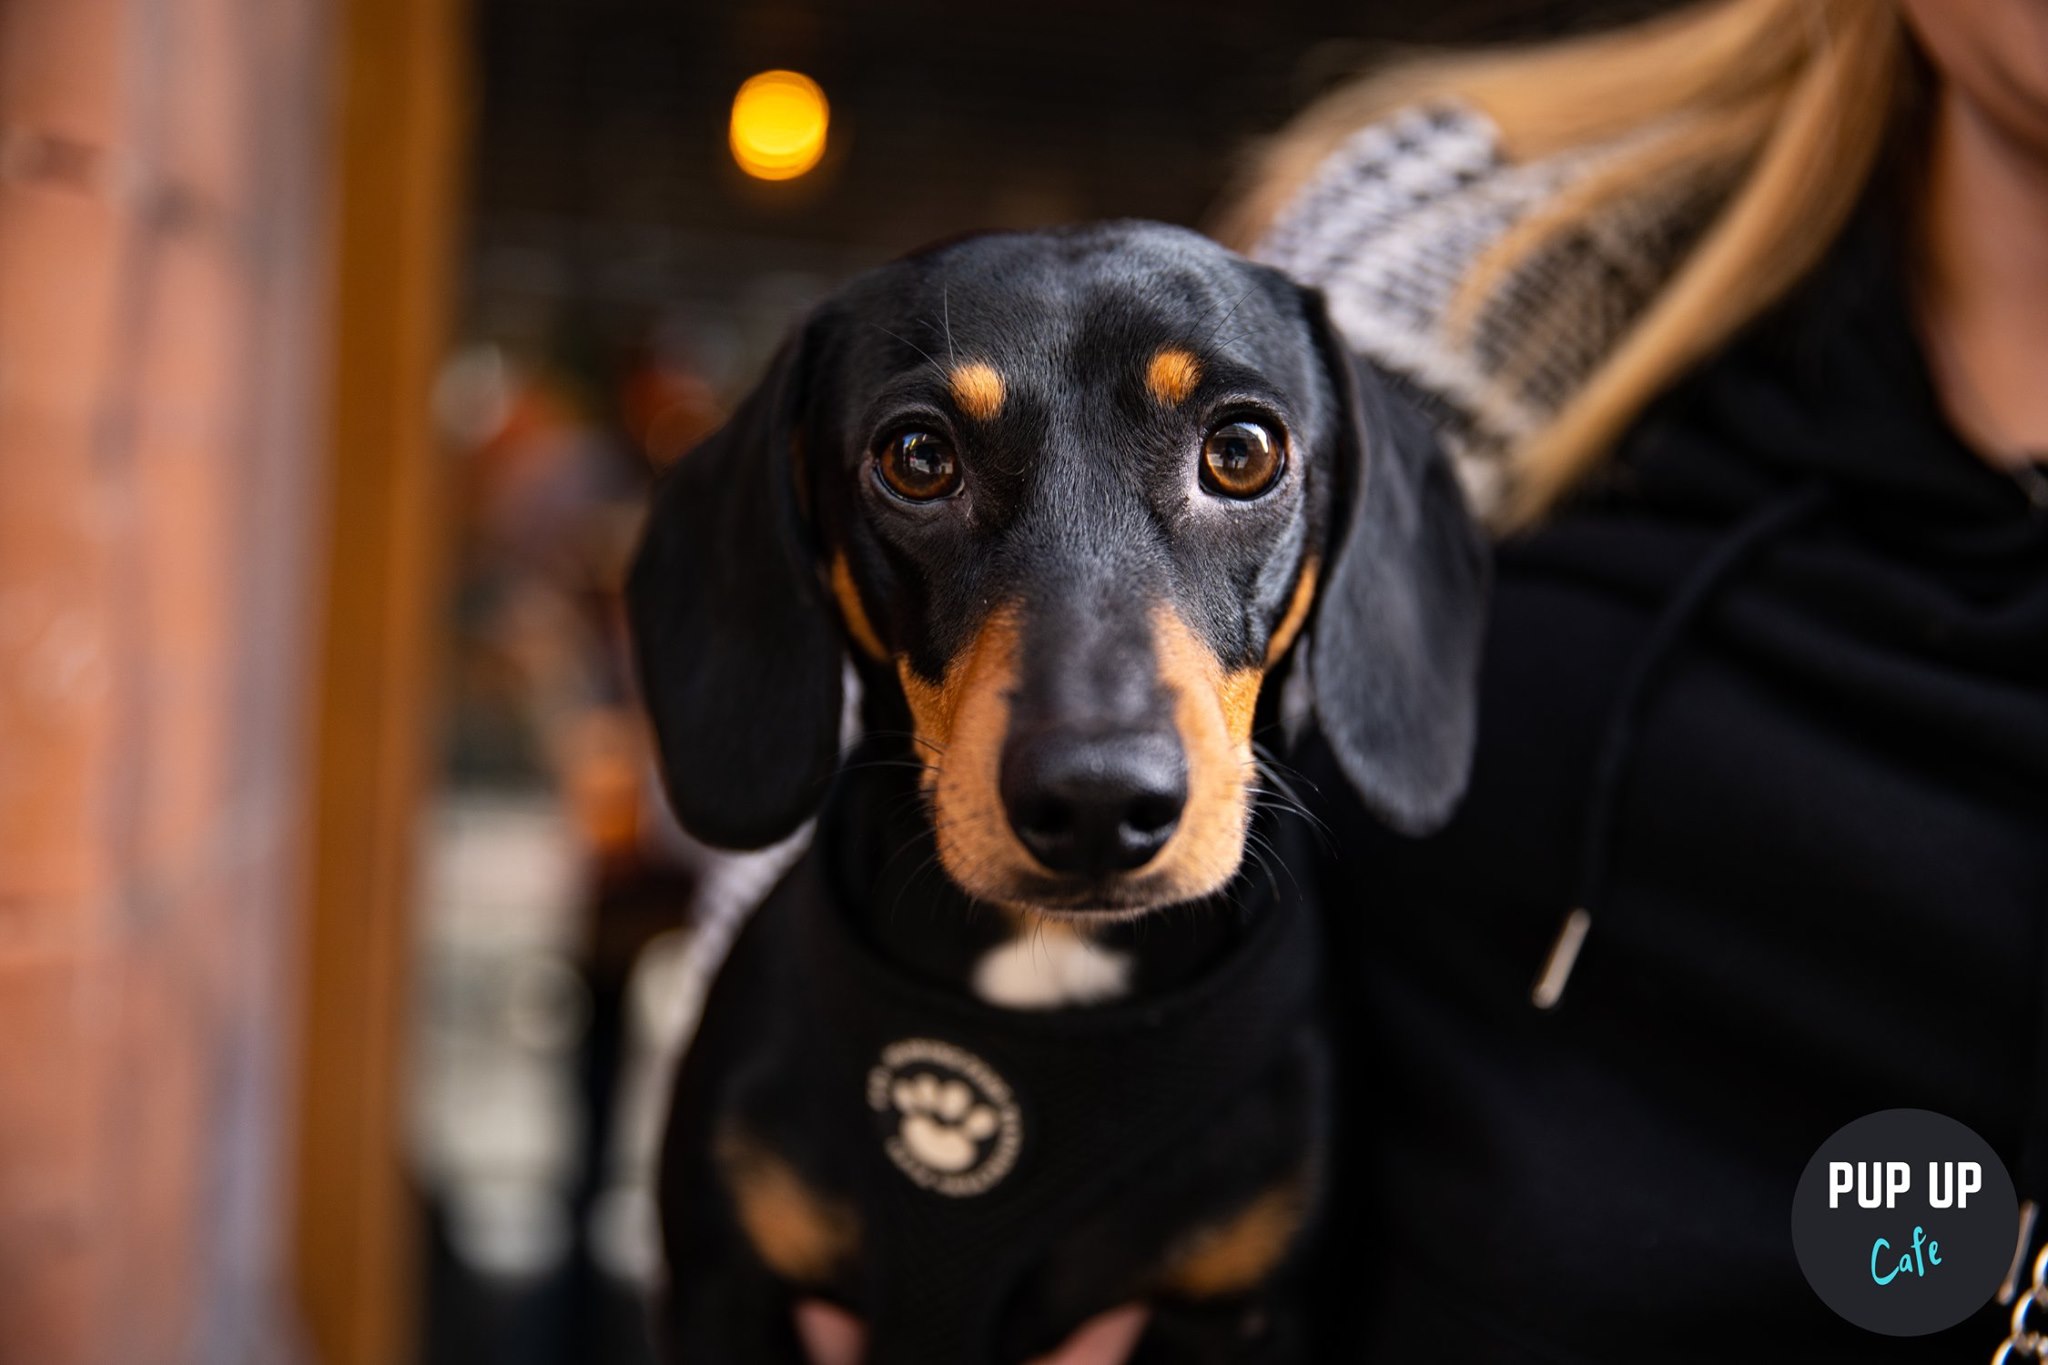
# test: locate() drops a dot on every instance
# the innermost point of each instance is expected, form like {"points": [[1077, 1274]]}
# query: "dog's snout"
{"points": [[1094, 804]]}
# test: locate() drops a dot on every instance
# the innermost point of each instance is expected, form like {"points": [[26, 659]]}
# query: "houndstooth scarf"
{"points": [[1393, 219]]}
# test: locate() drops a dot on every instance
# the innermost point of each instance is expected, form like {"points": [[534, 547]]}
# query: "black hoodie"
{"points": [[1772, 703]]}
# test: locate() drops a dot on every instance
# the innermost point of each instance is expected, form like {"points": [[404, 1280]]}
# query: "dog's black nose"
{"points": [[1094, 804]]}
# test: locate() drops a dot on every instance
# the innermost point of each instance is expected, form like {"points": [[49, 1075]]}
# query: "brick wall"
{"points": [[162, 288]]}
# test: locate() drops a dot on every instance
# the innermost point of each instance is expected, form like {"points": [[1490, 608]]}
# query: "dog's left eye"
{"points": [[1241, 459], [918, 465]]}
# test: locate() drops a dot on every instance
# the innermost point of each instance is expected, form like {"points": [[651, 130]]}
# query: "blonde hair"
{"points": [[1786, 102]]}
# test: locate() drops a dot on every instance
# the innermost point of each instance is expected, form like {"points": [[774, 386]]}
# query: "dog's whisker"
{"points": [[1282, 794], [909, 735], [1277, 798], [1283, 804], [946, 314], [865, 764], [1209, 343], [937, 368], [1264, 753], [1267, 857]]}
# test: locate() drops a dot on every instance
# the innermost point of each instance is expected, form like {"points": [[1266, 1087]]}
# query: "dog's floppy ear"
{"points": [[739, 656], [1394, 645]]}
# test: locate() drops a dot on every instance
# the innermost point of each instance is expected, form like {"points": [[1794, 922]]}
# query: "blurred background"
{"points": [[344, 941]]}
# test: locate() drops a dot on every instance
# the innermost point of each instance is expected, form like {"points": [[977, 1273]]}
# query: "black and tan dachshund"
{"points": [[1027, 1035]]}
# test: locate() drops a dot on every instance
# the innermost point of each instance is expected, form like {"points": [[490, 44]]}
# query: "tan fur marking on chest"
{"points": [[1240, 1252], [800, 1234]]}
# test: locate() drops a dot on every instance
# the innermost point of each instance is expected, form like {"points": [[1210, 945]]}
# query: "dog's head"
{"points": [[1076, 496]]}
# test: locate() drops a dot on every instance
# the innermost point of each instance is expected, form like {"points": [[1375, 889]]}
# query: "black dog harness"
{"points": [[987, 1133]]}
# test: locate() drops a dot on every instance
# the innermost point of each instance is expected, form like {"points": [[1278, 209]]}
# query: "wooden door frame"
{"points": [[400, 117]]}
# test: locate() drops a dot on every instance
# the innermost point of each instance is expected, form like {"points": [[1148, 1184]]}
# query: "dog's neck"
{"points": [[882, 855]]}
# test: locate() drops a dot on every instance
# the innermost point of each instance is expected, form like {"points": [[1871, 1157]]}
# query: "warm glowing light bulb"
{"points": [[778, 125]]}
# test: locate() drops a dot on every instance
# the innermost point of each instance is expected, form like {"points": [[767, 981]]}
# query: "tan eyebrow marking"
{"points": [[1173, 374], [977, 388]]}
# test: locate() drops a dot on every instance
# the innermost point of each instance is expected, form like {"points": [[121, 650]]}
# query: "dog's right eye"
{"points": [[919, 466], [1242, 459]]}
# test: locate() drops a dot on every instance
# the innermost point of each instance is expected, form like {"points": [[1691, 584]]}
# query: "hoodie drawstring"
{"points": [[1617, 743]]}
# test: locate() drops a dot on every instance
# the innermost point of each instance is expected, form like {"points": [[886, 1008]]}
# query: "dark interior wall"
{"points": [[944, 113], [602, 181]]}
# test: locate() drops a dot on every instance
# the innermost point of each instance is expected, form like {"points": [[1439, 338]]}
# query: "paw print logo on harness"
{"points": [[951, 1124]]}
